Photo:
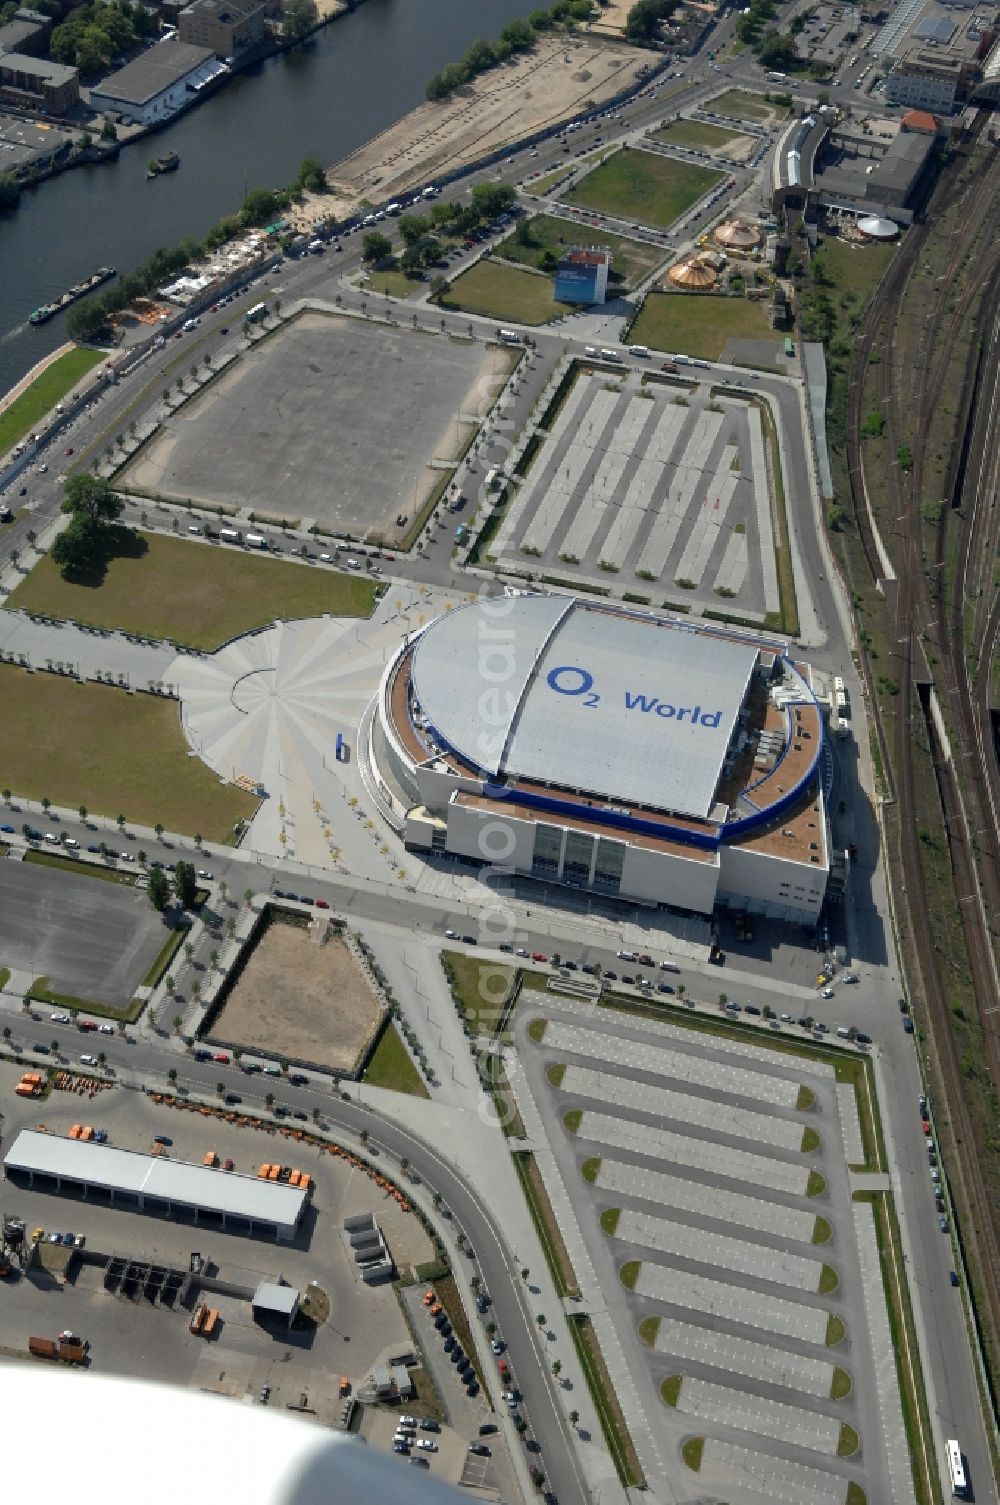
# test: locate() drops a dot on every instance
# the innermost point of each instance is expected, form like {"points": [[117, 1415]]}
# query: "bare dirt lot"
{"points": [[556, 80], [300, 1000]]}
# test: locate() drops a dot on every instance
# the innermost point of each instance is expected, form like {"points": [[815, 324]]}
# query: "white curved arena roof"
{"points": [[590, 698]]}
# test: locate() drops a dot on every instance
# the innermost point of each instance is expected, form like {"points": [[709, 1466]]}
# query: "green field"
{"points": [[503, 292], [193, 594], [746, 106], [118, 754], [45, 391], [390, 1066], [631, 260], [697, 133], [699, 324], [394, 284], [636, 185]]}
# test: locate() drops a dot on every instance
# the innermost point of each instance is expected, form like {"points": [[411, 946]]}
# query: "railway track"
{"points": [[907, 401]]}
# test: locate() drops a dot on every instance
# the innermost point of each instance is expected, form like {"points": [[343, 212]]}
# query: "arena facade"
{"points": [[582, 743]]}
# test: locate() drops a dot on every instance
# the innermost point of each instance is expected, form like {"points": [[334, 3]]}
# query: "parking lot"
{"points": [[137, 1337], [90, 938], [292, 428], [709, 1180], [650, 482]]}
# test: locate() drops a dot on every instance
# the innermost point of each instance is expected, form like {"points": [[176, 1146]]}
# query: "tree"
{"points": [[644, 20], [248, 895], [159, 831], [185, 883], [197, 840], [213, 957], [82, 812], [178, 1021], [220, 1088], [120, 819], [46, 804], [26, 831], [777, 50], [491, 199], [269, 1100], [376, 246], [10, 191], [574, 1417], [299, 18], [168, 983], [363, 1136], [223, 890], [413, 227], [91, 497], [55, 1046], [541, 1319], [31, 536], [310, 175], [158, 889], [524, 1273], [172, 1074]]}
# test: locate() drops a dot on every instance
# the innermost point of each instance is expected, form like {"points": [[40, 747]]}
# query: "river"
{"points": [[354, 78]]}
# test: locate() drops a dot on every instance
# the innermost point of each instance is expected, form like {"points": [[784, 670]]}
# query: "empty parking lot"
{"points": [[709, 1184], [647, 481], [341, 421], [92, 939]]}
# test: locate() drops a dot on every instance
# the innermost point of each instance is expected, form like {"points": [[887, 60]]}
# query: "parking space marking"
{"points": [[762, 501], [708, 1201], [639, 1055], [711, 519], [776, 1478], [850, 1124], [715, 1298], [664, 1102], [745, 1357], [756, 1413], [719, 1250], [700, 1154], [760, 1055]]}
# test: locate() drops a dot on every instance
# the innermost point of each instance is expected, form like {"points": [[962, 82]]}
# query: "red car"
{"points": [[322, 904], [222, 1058], [87, 1024], [68, 451], [539, 956]]}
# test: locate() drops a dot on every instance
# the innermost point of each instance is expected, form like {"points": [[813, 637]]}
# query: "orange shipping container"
{"points": [[263, 1171]]}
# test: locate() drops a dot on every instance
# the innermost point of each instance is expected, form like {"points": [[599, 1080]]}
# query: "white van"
{"points": [[71, 842], [256, 541], [53, 838], [229, 535], [610, 355], [592, 351], [638, 350], [844, 1032]]}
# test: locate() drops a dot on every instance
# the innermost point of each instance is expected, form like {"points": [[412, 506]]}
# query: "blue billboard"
{"points": [[578, 282]]}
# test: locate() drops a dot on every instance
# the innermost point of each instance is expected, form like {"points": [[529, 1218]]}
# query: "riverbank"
{"points": [[516, 102]]}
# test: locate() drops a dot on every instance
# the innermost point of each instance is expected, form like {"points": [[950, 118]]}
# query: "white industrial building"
{"points": [[586, 744], [154, 1184], [159, 83]]}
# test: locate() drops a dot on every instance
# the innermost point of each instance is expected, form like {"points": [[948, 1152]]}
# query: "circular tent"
{"points": [[737, 235], [874, 227], [691, 274]]}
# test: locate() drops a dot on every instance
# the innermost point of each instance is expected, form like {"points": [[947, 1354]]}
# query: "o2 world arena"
{"points": [[585, 744]]}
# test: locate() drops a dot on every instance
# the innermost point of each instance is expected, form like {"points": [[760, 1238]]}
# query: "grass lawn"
{"points": [[636, 185], [631, 260], [699, 324], [45, 391], [193, 593], [855, 269], [394, 284], [115, 753], [697, 133], [481, 988], [391, 1067], [549, 181], [746, 106], [502, 292], [605, 1398]]}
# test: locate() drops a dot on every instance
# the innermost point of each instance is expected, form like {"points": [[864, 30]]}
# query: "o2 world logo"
{"points": [[578, 683]]}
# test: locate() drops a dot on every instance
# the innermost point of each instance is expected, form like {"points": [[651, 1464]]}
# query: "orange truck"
{"points": [[43, 1348]]}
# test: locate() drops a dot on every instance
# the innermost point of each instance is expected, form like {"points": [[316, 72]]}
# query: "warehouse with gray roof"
{"points": [[154, 1184]]}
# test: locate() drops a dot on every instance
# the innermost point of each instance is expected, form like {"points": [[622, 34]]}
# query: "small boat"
{"points": [[169, 162]]}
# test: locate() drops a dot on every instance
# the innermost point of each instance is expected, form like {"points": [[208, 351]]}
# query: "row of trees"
{"points": [[260, 207], [517, 36]]}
